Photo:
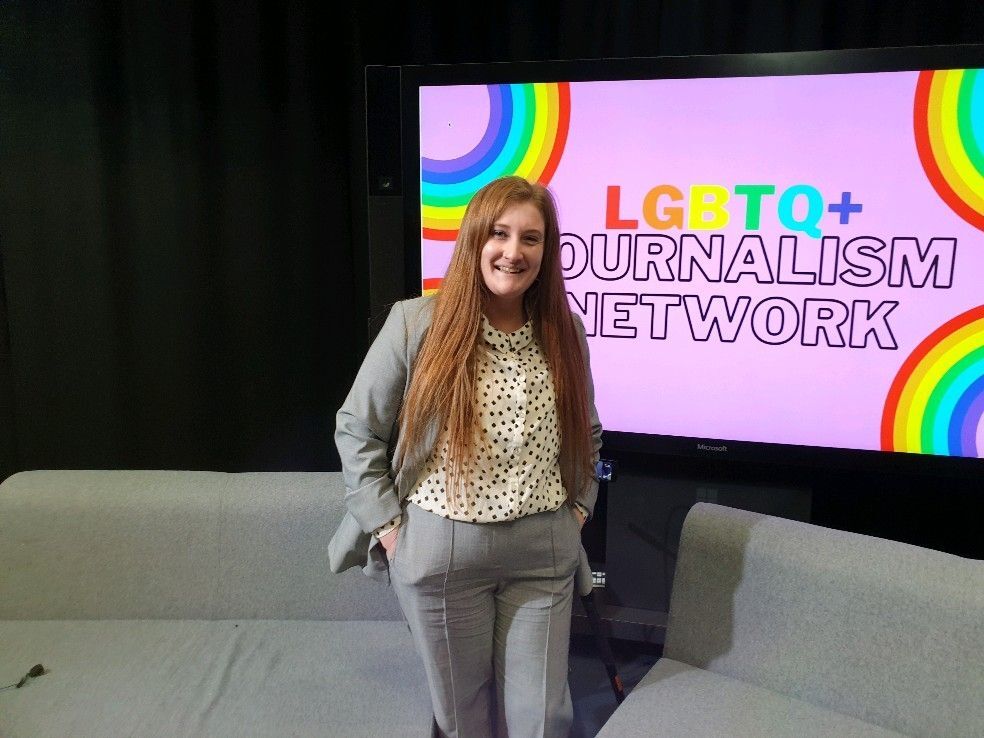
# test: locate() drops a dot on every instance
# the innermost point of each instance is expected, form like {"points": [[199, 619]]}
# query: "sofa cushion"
{"points": [[890, 633], [212, 678], [187, 545], [675, 699]]}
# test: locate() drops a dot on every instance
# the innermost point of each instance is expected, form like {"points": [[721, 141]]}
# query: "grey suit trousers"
{"points": [[489, 609]]}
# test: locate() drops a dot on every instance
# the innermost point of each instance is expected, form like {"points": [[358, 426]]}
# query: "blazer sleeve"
{"points": [[589, 493], [365, 425]]}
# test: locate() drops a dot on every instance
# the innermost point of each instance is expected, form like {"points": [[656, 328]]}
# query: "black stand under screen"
{"points": [[644, 515]]}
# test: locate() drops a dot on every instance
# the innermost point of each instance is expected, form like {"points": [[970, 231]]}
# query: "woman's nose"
{"points": [[510, 249]]}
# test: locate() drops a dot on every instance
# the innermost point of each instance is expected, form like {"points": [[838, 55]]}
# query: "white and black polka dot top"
{"points": [[519, 472]]}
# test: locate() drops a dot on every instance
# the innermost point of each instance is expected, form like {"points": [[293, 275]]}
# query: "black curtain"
{"points": [[177, 232], [183, 207]]}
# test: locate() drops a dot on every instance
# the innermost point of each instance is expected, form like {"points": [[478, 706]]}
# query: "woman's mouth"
{"points": [[510, 270]]}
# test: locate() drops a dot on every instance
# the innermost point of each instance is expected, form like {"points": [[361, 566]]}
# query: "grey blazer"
{"points": [[366, 433]]}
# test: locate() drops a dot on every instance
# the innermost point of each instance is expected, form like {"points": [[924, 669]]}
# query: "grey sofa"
{"points": [[779, 628], [174, 603], [170, 603]]}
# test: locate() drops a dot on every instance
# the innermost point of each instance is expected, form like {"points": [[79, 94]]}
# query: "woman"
{"points": [[468, 445]]}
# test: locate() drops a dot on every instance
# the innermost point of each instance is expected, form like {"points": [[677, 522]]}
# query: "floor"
{"points": [[591, 691]]}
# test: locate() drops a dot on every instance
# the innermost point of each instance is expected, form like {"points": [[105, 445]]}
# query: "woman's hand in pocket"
{"points": [[389, 542]]}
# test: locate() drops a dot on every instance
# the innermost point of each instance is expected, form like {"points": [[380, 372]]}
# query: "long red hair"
{"points": [[442, 385]]}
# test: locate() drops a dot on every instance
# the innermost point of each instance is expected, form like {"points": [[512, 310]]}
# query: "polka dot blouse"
{"points": [[519, 473]]}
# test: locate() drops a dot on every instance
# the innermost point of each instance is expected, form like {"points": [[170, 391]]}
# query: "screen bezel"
{"points": [[847, 61]]}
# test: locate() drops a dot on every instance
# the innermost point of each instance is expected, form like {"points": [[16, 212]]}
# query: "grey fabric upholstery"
{"points": [[178, 545], [181, 603], [772, 622], [194, 678], [678, 700]]}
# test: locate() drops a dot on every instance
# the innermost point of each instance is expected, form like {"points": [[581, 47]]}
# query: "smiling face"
{"points": [[512, 255]]}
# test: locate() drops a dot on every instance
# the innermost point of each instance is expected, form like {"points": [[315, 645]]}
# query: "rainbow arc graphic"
{"points": [[949, 130], [936, 403], [526, 134]]}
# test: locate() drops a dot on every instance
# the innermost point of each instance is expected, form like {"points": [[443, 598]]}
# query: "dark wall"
{"points": [[182, 224]]}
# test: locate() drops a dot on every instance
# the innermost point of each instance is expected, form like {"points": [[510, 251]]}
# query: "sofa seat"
{"points": [[212, 678], [676, 699]]}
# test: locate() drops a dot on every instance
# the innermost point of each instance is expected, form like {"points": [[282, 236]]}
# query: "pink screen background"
{"points": [[834, 132]]}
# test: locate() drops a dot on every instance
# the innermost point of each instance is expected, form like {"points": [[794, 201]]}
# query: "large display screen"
{"points": [[778, 259]]}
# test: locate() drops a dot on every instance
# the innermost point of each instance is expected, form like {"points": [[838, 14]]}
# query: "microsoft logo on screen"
{"points": [[705, 447]]}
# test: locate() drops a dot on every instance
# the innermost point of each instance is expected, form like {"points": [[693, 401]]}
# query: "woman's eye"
{"points": [[499, 234]]}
